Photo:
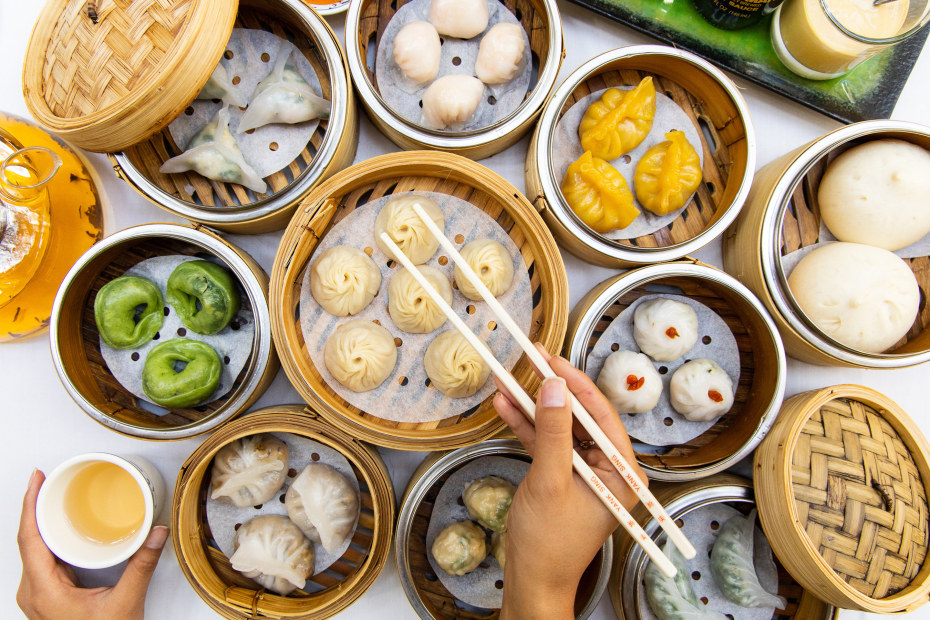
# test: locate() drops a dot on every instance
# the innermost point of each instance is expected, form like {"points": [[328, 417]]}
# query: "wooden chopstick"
{"points": [[529, 407], [600, 438]]}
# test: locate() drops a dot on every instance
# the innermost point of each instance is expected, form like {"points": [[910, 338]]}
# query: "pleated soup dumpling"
{"points": [[491, 261], [462, 19], [451, 101], [417, 52], [630, 382], [460, 547], [360, 355], [500, 55], [250, 470], [323, 504], [701, 390], [617, 122], [273, 551], [667, 174], [664, 329], [410, 307], [488, 501], [453, 365], [863, 297], [344, 280], [598, 194], [405, 228]]}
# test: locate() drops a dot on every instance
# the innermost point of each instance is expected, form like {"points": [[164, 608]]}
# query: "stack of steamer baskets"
{"points": [[137, 84]]}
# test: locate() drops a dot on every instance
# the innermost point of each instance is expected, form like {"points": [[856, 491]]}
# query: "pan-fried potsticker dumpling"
{"points": [[283, 97], [668, 174], [598, 194], [214, 153], [617, 122], [220, 86]]}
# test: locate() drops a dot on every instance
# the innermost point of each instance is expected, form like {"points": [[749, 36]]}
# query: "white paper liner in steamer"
{"points": [[414, 401], [270, 148], [405, 99], [699, 529], [229, 343], [566, 149], [650, 427], [479, 587], [223, 516]]}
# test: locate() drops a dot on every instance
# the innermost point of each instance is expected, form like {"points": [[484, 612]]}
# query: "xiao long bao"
{"points": [[360, 355]]}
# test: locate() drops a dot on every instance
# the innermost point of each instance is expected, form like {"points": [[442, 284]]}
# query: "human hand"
{"points": [[49, 589], [556, 524]]}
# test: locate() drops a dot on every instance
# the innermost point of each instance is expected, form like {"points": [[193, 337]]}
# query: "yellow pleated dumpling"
{"points": [[667, 174], [617, 122], [598, 194]]}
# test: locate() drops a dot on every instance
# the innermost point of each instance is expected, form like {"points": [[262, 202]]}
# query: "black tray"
{"points": [[869, 91]]}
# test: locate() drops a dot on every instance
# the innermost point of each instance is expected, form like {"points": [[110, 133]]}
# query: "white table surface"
{"points": [[44, 426]]}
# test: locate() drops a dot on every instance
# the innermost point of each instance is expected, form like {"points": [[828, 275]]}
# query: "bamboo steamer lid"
{"points": [[841, 485], [106, 75]]}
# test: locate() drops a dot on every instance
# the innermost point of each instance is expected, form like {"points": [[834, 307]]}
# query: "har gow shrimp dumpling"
{"points": [[417, 51], [453, 365], [410, 307], [500, 55], [630, 382], [701, 390], [360, 355], [459, 548], [250, 470], [878, 193], [491, 261], [664, 329], [273, 551], [451, 100], [405, 228], [462, 19], [617, 122], [598, 194], [344, 280], [861, 296], [323, 504], [668, 174]]}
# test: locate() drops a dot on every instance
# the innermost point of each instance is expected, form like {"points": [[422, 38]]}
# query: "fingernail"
{"points": [[32, 477], [552, 392], [157, 537]]}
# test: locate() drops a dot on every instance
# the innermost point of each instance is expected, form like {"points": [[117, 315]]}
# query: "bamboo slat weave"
{"points": [[860, 497]]}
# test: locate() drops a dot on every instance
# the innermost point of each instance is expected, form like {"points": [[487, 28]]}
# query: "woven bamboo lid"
{"points": [[841, 483], [105, 75]]}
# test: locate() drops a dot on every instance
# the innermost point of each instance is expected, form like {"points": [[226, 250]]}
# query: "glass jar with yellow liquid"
{"points": [[49, 215]]}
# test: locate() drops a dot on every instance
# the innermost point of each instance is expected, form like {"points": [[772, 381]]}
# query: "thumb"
{"points": [[553, 449], [135, 580]]}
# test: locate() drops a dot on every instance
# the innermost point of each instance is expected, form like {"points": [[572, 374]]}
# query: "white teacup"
{"points": [[60, 534]]}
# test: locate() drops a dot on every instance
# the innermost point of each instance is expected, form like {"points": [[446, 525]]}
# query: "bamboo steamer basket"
{"points": [[843, 498], [782, 216], [630, 561], [761, 387], [426, 594], [125, 105], [236, 597], [365, 24], [718, 111], [75, 341], [397, 173]]}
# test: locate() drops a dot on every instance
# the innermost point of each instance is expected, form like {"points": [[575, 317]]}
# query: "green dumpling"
{"points": [[128, 312], [181, 373], [204, 295]]}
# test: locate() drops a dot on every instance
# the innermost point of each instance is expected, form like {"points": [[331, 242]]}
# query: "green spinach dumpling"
{"points": [[204, 296]]}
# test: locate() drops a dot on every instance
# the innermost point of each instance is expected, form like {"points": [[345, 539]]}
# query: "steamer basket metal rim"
{"points": [[261, 343], [551, 184], [416, 493], [446, 139], [341, 91], [775, 280], [644, 275]]}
